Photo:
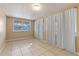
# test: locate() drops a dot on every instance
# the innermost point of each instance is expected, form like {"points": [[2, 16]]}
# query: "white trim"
{"points": [[19, 39]]}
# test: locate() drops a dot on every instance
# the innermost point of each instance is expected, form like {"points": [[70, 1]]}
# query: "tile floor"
{"points": [[32, 47]]}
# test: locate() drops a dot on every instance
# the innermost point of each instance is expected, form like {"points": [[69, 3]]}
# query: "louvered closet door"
{"points": [[69, 38], [49, 34], [41, 29], [59, 30], [46, 29], [53, 30], [50, 29], [37, 29]]}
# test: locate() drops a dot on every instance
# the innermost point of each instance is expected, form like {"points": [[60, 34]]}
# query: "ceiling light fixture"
{"points": [[36, 6]]}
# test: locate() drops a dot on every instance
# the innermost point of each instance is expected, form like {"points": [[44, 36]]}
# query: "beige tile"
{"points": [[32, 47], [68, 53], [11, 51], [38, 51], [26, 51], [16, 52], [46, 46], [60, 52], [48, 53]]}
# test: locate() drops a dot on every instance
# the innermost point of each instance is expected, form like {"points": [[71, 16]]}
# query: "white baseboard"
{"points": [[19, 39]]}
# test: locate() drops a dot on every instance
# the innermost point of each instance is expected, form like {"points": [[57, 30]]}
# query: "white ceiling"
{"points": [[25, 10]]}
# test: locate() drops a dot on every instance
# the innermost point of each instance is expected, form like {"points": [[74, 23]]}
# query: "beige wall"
{"points": [[14, 35], [2, 30], [77, 45]]}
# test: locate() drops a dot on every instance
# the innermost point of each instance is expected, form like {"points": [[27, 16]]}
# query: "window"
{"points": [[21, 25]]}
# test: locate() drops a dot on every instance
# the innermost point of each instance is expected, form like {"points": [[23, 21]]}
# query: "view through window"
{"points": [[21, 25]]}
